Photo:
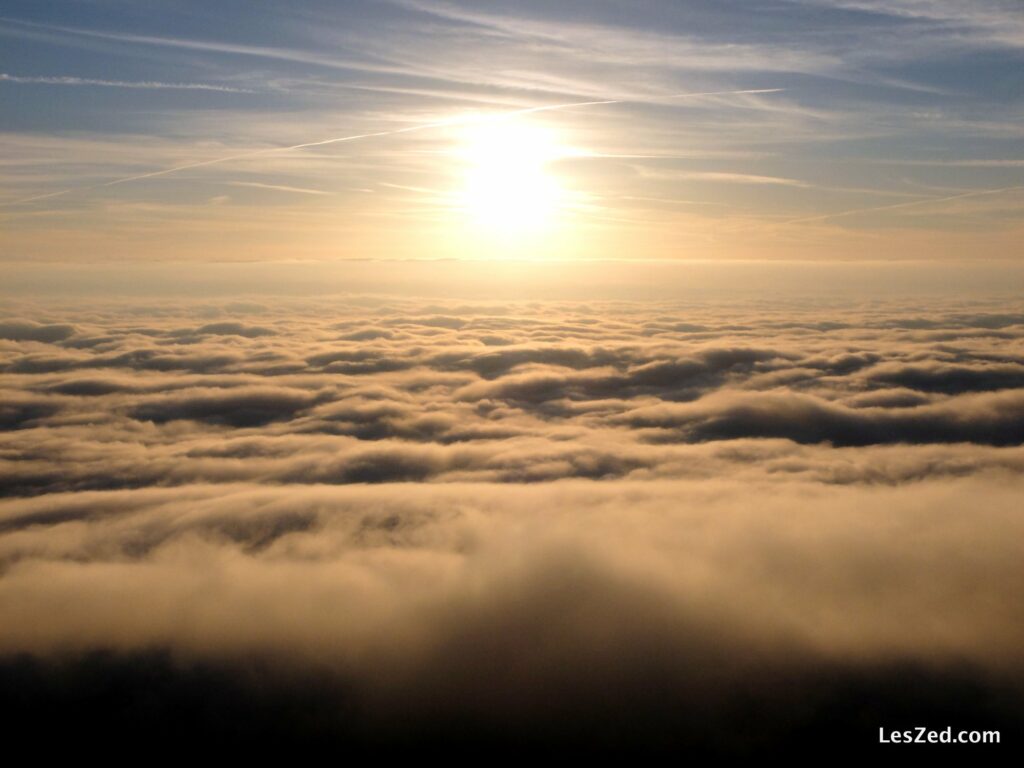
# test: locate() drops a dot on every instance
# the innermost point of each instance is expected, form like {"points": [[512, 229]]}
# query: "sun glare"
{"points": [[508, 188]]}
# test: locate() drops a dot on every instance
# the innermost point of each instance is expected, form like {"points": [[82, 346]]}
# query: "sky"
{"points": [[835, 129]]}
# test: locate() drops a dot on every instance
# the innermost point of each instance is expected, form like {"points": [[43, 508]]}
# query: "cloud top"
{"points": [[410, 518]]}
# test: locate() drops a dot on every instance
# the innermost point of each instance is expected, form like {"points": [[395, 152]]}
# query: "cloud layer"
{"points": [[397, 519]]}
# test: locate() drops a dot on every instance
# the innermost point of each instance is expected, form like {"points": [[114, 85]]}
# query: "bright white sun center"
{"points": [[507, 186]]}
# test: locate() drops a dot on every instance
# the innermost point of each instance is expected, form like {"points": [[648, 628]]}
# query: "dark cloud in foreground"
{"points": [[379, 524], [660, 615], [255, 710]]}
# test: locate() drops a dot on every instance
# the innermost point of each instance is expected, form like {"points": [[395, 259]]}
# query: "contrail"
{"points": [[377, 134], [911, 204], [139, 84]]}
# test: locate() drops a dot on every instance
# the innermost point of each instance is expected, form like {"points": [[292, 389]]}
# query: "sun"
{"points": [[508, 188]]}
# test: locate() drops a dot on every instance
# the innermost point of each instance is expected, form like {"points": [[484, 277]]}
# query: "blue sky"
{"points": [[884, 128]]}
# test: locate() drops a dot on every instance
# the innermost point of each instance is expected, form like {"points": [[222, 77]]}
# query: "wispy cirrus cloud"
{"points": [[277, 187], [992, 21], [455, 121], [741, 178], [859, 79], [631, 47], [258, 51]]}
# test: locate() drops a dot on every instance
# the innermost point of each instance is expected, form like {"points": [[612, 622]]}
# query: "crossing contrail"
{"points": [[911, 204], [377, 134]]}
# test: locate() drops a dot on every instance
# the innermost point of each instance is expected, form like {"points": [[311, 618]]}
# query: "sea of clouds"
{"points": [[714, 525]]}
